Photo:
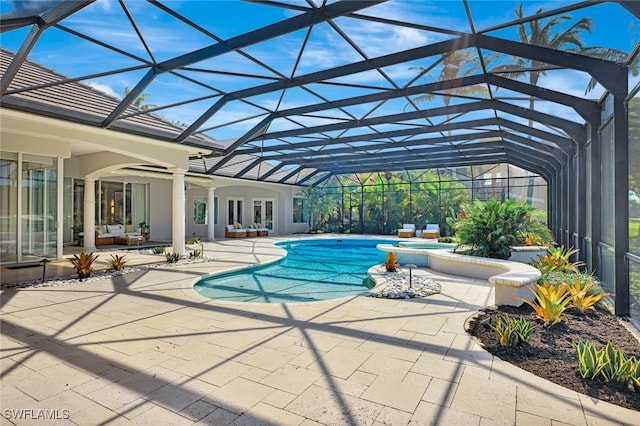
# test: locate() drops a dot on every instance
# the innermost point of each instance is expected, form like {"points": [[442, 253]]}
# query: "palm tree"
{"points": [[459, 63], [545, 35], [139, 102], [548, 34], [318, 206]]}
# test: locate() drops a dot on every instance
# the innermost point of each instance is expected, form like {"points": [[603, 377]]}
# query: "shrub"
{"points": [[194, 253], [159, 250], [512, 331], [558, 259], [117, 262], [391, 264], [490, 228], [550, 302], [559, 277], [172, 257], [83, 264], [446, 240]]}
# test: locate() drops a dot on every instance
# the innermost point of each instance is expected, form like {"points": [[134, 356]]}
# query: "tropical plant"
{"points": [[618, 365], [159, 250], [609, 364], [512, 331], [139, 102], [590, 360], [559, 277], [634, 375], [317, 206], [553, 33], [558, 259], [196, 239], [117, 262], [446, 240], [550, 302], [172, 257], [459, 63], [391, 263], [582, 300], [490, 228], [194, 253], [532, 239], [83, 264]]}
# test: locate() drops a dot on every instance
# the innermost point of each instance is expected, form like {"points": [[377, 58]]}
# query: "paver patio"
{"points": [[145, 348]]}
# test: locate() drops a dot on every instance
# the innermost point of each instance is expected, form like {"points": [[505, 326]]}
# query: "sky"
{"points": [[167, 37]]}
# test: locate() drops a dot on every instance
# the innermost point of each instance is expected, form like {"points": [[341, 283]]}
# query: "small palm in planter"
{"points": [[83, 264]]}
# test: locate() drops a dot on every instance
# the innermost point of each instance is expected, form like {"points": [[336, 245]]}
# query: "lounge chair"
{"points": [[408, 230], [431, 231]]}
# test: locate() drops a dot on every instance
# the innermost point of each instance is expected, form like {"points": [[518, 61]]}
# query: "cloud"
{"points": [[29, 7], [104, 88]]}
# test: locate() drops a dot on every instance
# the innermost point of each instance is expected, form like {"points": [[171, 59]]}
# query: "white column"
{"points": [[211, 226], [89, 219], [60, 209], [177, 209]]}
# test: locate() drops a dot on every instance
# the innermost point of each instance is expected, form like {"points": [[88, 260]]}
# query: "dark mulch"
{"points": [[550, 354]]}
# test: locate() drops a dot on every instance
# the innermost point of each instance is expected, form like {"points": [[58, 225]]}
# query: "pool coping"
{"points": [[511, 279]]}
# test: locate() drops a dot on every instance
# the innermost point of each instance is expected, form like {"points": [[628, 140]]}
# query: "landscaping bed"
{"points": [[550, 354]]}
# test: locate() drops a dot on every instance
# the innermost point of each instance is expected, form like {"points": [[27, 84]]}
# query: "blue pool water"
{"points": [[313, 270]]}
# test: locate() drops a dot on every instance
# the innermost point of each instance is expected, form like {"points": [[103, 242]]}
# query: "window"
{"points": [[298, 210], [199, 210], [234, 210], [215, 210]]}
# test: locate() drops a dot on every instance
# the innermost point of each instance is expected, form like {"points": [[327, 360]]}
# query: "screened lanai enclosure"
{"points": [[401, 110], [380, 203]]}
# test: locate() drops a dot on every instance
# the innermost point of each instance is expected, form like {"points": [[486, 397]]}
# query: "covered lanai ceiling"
{"points": [[298, 91]]}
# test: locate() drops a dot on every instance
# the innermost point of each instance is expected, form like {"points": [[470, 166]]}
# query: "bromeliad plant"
{"points": [[83, 264], [550, 302], [117, 262], [391, 264], [582, 300], [557, 259], [172, 257], [512, 331]]}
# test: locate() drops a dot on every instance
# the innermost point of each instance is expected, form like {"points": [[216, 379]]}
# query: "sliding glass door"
{"points": [[8, 207], [39, 206]]}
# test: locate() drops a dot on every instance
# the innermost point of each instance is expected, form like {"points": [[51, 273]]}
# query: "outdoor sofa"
{"points": [[117, 234]]}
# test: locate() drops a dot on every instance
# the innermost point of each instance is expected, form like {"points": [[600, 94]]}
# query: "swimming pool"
{"points": [[313, 270]]}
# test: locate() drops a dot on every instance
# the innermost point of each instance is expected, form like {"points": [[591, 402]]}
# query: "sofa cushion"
{"points": [[116, 230], [128, 229], [101, 229]]}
